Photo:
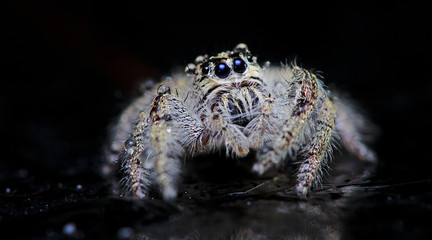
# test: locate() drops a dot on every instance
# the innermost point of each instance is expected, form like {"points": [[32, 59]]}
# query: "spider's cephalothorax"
{"points": [[230, 95], [229, 101]]}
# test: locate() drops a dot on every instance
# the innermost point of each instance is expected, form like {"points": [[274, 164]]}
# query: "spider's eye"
{"points": [[222, 70], [205, 68], [249, 58], [239, 65]]}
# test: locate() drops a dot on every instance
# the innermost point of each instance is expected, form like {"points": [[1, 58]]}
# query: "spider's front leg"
{"points": [[304, 89], [305, 94], [160, 143], [316, 152]]}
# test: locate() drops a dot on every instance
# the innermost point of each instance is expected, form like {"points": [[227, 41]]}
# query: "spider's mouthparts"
{"points": [[242, 105]]}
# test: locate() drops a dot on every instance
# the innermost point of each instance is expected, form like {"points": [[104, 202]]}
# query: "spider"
{"points": [[229, 102]]}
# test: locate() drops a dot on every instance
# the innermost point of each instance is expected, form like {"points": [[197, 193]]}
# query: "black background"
{"points": [[69, 68]]}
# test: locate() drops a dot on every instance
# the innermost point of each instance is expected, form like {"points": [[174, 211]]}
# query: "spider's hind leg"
{"points": [[354, 130]]}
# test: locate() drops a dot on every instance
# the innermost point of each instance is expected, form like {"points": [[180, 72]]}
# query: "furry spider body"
{"points": [[229, 101]]}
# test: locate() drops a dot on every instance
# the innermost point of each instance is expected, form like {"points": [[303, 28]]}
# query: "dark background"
{"points": [[69, 68]]}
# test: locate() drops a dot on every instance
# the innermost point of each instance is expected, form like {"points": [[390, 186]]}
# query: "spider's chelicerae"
{"points": [[228, 101]]}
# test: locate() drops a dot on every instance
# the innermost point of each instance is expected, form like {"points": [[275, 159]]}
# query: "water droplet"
{"points": [[125, 233], [130, 143], [163, 89], [69, 228]]}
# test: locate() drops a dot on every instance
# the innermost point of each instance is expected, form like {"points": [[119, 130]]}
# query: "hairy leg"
{"points": [[157, 144], [351, 127], [166, 152], [138, 178], [118, 138], [317, 151], [173, 131], [305, 94]]}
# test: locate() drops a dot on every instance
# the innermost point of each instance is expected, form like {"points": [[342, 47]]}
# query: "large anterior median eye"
{"points": [[239, 65], [222, 70]]}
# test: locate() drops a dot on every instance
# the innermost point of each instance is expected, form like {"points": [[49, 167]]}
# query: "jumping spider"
{"points": [[228, 101]]}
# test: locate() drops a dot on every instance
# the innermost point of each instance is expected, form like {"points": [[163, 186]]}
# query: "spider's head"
{"points": [[231, 66]]}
